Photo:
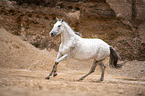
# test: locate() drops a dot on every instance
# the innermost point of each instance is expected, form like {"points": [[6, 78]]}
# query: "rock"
{"points": [[124, 8], [96, 10], [141, 31]]}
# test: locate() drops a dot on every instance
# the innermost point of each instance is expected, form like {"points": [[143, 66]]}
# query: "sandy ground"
{"points": [[23, 69], [23, 82]]}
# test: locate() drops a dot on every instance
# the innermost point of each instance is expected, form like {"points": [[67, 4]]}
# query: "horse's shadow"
{"points": [[90, 81]]}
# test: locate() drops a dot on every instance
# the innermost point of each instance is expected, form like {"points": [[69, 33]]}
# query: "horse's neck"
{"points": [[67, 34]]}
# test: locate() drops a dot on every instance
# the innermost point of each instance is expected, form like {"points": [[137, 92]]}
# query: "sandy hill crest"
{"points": [[15, 53]]}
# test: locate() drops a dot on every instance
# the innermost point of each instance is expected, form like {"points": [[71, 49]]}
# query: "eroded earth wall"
{"points": [[109, 20]]}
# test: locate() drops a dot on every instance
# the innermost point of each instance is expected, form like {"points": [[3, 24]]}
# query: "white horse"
{"points": [[73, 46]]}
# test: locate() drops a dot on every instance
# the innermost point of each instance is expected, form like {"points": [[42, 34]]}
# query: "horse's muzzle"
{"points": [[52, 34]]}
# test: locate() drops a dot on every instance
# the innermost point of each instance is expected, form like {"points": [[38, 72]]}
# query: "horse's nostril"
{"points": [[52, 34]]}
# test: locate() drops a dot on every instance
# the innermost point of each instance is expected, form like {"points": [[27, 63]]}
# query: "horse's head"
{"points": [[56, 28]]}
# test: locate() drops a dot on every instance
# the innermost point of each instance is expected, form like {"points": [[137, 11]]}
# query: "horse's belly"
{"points": [[82, 57], [85, 53]]}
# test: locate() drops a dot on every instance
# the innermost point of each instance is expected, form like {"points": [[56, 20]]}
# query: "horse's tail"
{"points": [[114, 58]]}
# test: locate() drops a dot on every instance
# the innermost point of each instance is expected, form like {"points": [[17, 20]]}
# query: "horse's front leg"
{"points": [[54, 69], [59, 59], [55, 65]]}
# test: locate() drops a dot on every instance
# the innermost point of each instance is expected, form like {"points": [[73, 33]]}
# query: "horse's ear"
{"points": [[57, 19], [62, 19]]}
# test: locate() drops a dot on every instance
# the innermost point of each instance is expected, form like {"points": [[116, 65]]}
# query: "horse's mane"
{"points": [[66, 24], [69, 28]]}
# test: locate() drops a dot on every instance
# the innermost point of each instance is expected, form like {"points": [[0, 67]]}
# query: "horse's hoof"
{"points": [[47, 77], [79, 79], [55, 74], [100, 80]]}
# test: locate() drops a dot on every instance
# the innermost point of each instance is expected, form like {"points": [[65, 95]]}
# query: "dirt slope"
{"points": [[15, 53]]}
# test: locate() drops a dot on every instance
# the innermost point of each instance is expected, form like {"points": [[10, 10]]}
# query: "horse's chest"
{"points": [[66, 49]]}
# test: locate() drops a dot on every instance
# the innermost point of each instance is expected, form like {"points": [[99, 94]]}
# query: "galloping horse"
{"points": [[73, 46]]}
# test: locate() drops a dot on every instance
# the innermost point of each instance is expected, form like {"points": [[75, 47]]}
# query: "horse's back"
{"points": [[92, 48]]}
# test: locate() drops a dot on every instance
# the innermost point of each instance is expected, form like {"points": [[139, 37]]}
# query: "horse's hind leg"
{"points": [[91, 71], [103, 70]]}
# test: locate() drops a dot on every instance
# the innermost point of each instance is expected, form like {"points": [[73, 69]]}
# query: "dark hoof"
{"points": [[55, 74], [80, 79], [47, 77], [100, 80]]}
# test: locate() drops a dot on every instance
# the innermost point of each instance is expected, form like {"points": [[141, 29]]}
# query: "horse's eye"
{"points": [[59, 25]]}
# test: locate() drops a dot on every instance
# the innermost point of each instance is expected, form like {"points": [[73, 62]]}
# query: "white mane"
{"points": [[68, 27]]}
